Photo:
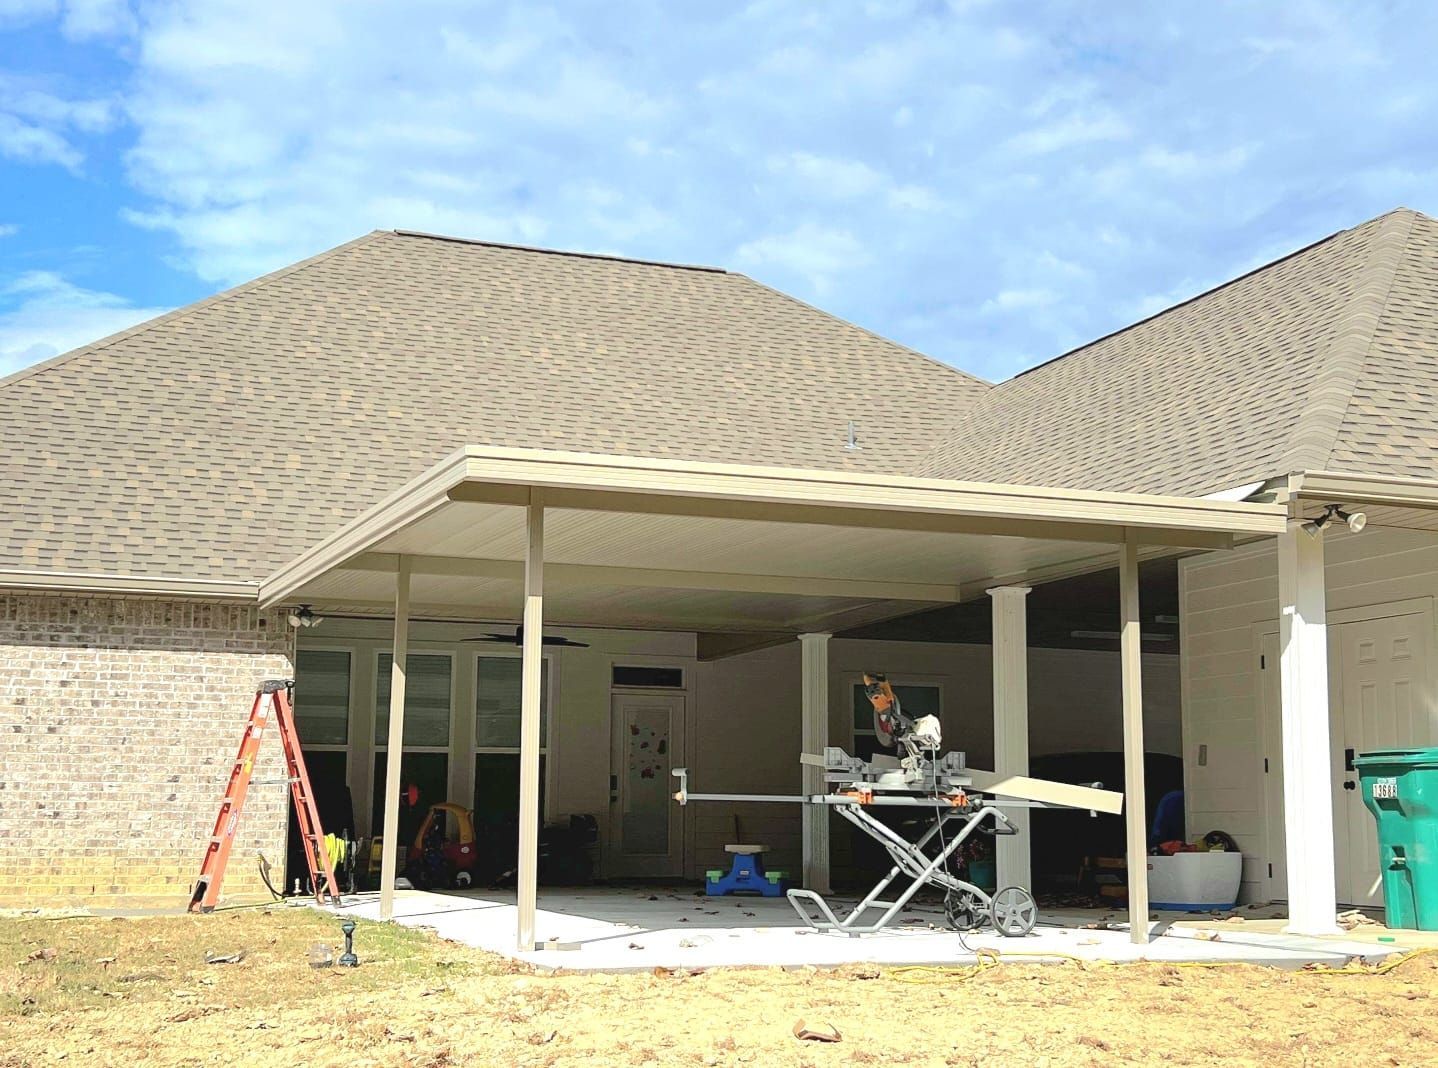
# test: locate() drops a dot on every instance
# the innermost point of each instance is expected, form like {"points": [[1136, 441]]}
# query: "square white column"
{"points": [[814, 737], [1135, 790], [393, 847], [1011, 724], [1307, 768], [531, 666]]}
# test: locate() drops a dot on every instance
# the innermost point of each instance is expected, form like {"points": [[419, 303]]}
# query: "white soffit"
{"points": [[653, 543]]}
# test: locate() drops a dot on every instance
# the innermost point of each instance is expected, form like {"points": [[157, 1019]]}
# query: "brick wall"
{"points": [[119, 721]]}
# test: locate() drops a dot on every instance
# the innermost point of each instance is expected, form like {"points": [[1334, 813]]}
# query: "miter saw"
{"points": [[918, 738]]}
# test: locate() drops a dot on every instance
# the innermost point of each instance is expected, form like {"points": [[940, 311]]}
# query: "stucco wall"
{"points": [[119, 720]]}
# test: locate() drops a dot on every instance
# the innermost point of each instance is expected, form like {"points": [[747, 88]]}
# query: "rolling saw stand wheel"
{"points": [[1013, 912], [964, 911]]}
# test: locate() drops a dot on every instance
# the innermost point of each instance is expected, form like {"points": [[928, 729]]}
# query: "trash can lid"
{"points": [[1397, 756]]}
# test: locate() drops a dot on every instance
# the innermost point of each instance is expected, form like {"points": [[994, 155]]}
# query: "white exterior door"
{"points": [[1271, 698], [646, 825], [1380, 699]]}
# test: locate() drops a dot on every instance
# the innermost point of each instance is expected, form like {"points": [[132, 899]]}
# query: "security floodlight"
{"points": [[303, 616], [1356, 521]]}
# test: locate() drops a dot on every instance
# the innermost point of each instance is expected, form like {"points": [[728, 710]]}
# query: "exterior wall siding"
{"points": [[119, 720], [1227, 601]]}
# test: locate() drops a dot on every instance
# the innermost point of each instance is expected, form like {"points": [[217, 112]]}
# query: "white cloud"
{"points": [[42, 314], [843, 179], [1008, 300], [29, 143], [814, 253], [9, 229], [1069, 132], [38, 126], [85, 19], [987, 186]]}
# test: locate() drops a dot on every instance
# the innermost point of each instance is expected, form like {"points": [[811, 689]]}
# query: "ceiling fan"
{"points": [[517, 638]]}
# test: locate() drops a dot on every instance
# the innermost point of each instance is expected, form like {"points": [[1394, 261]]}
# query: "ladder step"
{"points": [[272, 696]]}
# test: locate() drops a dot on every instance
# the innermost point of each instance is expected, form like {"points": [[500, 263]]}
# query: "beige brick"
{"points": [[119, 718]]}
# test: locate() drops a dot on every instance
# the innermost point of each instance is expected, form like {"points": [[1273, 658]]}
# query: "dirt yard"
{"points": [[139, 992]]}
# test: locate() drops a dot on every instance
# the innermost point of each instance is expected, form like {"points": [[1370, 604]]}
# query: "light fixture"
{"points": [[303, 616], [1356, 520]]}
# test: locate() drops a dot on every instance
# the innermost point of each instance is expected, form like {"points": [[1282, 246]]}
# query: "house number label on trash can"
{"points": [[1385, 788]]}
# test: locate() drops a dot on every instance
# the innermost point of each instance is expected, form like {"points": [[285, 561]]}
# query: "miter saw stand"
{"points": [[921, 779], [855, 788]]}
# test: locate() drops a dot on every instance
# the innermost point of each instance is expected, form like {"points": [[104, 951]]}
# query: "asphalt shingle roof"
{"points": [[223, 439], [1323, 360]]}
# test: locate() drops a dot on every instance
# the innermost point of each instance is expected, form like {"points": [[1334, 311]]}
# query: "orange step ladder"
{"points": [[272, 696]]}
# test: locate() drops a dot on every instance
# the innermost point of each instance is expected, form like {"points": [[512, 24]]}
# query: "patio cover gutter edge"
{"points": [[505, 476]]}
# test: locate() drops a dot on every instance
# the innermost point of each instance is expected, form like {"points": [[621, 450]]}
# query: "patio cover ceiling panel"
{"points": [[739, 546], [667, 544]]}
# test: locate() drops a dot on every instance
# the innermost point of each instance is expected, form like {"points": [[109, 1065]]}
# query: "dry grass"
{"points": [[138, 992]]}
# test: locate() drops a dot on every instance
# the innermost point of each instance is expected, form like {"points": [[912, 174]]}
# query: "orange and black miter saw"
{"points": [[919, 738]]}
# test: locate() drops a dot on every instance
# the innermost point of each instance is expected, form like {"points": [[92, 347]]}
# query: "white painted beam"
{"points": [[1135, 801], [1011, 723], [393, 847], [814, 736], [1307, 755], [531, 666]]}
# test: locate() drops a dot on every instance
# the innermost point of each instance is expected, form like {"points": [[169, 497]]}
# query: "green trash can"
{"points": [[1400, 788]]}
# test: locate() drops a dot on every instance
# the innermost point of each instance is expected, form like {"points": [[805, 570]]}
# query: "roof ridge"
{"points": [[1315, 431], [988, 386], [184, 310], [559, 251], [1262, 267]]}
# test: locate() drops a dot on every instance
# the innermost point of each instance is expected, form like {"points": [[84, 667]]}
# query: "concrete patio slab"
{"points": [[616, 929]]}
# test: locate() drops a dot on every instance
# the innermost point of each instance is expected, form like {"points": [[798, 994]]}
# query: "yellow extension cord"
{"points": [[991, 958]]}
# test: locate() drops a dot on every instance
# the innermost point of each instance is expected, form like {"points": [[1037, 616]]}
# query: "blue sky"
{"points": [[991, 183]]}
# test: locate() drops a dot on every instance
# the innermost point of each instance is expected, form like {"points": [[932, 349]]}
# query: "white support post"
{"points": [[814, 737], [393, 847], [1011, 723], [1307, 774], [531, 665], [1135, 802]]}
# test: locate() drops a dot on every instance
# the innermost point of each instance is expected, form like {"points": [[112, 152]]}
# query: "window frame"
{"points": [[347, 747], [381, 745], [546, 690]]}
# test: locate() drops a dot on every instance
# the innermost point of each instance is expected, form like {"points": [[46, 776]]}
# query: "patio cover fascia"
{"points": [[799, 502], [590, 482]]}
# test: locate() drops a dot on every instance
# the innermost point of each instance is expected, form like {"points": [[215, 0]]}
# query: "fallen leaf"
{"points": [[818, 1031]]}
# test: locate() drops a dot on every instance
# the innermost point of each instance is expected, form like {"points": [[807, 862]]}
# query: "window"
{"points": [[424, 761], [496, 737], [916, 699], [648, 677], [322, 714], [426, 701], [322, 697], [496, 704]]}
